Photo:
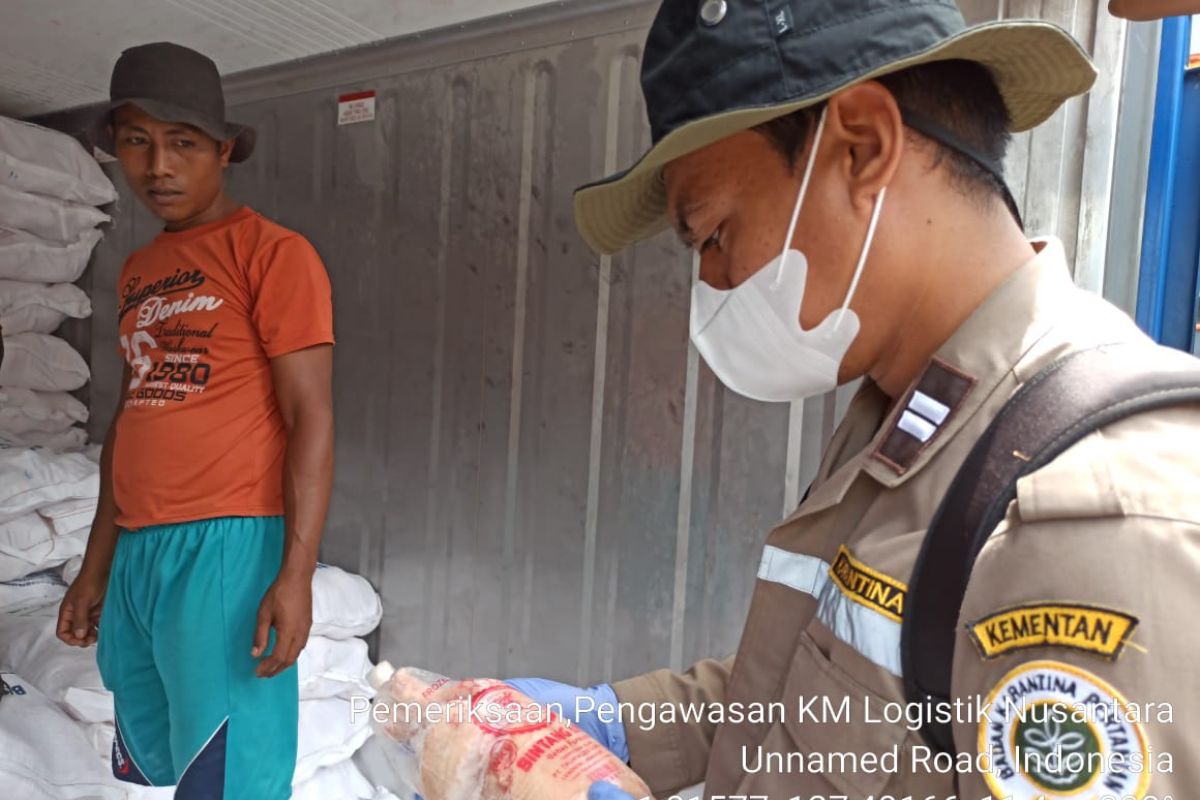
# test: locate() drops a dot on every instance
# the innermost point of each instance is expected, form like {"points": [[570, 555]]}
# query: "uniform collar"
{"points": [[892, 445]]}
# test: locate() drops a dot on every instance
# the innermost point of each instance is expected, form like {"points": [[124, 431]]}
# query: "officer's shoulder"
{"points": [[1146, 465]]}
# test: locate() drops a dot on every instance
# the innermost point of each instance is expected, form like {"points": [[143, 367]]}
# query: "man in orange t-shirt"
{"points": [[216, 472]]}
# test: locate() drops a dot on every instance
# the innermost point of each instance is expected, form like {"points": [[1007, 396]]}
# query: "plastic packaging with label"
{"points": [[483, 739]]}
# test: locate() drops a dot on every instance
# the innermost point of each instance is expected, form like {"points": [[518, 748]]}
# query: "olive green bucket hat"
{"points": [[713, 68]]}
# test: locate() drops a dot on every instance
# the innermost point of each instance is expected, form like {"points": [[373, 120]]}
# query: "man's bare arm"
{"points": [[79, 613], [1153, 9], [303, 387]]}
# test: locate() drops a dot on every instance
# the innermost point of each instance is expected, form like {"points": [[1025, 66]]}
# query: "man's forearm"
{"points": [[307, 482], [673, 757], [303, 387], [1153, 9]]}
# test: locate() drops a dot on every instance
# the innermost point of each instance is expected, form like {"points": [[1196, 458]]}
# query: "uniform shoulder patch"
{"points": [[939, 394], [1052, 730], [867, 586], [1090, 629]]}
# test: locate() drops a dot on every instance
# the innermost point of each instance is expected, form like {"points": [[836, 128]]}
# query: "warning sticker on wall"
{"points": [[356, 107]]}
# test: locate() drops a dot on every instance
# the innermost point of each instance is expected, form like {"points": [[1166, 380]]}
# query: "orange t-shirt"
{"points": [[201, 313]]}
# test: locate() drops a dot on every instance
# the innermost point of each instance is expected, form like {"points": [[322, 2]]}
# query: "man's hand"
{"points": [[286, 607], [608, 791], [593, 709], [79, 614]]}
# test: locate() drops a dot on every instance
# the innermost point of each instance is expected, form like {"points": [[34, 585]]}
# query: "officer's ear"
{"points": [[866, 132]]}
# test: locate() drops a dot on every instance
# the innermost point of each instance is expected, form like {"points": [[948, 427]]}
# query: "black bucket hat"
{"points": [[713, 68], [172, 83]]}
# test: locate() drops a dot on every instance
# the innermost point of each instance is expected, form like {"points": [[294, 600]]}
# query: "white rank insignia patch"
{"points": [[1053, 730]]}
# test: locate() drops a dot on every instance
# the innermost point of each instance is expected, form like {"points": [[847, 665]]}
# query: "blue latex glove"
{"points": [[608, 791], [596, 714]]}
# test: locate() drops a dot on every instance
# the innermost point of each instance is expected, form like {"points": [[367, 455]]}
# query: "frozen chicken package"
{"points": [[483, 739]]}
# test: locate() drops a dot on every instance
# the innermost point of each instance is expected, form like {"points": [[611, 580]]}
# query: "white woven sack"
{"points": [[38, 307], [329, 734], [24, 544], [47, 217], [43, 161], [342, 781], [100, 735], [68, 517], [333, 668], [344, 604], [67, 675], [44, 558], [24, 410], [31, 592], [33, 479], [42, 362], [25, 257], [24, 532], [72, 440], [70, 570], [44, 754]]}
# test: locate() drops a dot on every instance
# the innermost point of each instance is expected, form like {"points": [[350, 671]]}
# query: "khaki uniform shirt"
{"points": [[1077, 625]]}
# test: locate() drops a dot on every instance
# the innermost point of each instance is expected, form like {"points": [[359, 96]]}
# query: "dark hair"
{"points": [[959, 95]]}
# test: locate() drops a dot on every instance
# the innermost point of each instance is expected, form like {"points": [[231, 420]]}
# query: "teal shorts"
{"points": [[174, 649]]}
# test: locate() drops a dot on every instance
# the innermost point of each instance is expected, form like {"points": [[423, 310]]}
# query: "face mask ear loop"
{"points": [[862, 258], [808, 171]]}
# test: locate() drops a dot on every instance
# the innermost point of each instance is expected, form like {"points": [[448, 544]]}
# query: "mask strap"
{"points": [[808, 171], [862, 258]]}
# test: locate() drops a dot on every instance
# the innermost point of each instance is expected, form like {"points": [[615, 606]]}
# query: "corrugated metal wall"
{"points": [[1062, 171], [533, 466]]}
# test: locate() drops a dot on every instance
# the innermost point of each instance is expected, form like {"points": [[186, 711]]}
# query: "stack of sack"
{"points": [[43, 753], [333, 667], [59, 747], [49, 187], [62, 745], [47, 503]]}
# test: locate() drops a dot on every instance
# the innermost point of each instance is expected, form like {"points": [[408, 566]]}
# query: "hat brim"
{"points": [[243, 135], [1037, 67]]}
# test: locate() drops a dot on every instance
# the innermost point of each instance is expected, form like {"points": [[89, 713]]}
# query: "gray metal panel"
{"points": [[532, 464], [1064, 172], [1131, 166]]}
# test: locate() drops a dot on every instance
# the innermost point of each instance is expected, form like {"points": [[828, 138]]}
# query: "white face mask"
{"points": [[750, 336]]}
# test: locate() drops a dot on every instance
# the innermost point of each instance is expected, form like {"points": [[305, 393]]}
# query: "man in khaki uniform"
{"points": [[869, 136]]}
